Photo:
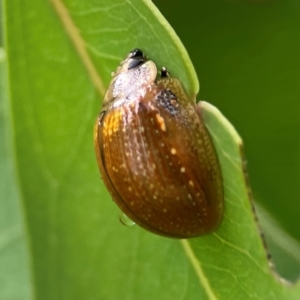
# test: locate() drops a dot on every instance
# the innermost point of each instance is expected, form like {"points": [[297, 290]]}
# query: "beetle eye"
{"points": [[135, 63], [164, 73], [136, 53]]}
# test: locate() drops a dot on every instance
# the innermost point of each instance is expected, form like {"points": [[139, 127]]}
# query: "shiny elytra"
{"points": [[155, 154]]}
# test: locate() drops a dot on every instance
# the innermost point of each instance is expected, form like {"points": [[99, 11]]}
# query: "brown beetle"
{"points": [[155, 154]]}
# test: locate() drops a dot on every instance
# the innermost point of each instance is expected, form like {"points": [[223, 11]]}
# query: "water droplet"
{"points": [[125, 220]]}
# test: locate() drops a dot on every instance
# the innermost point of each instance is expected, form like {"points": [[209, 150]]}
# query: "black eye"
{"points": [[135, 63], [136, 53], [164, 73]]}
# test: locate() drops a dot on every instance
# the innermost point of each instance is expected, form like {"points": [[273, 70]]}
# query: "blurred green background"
{"points": [[247, 57]]}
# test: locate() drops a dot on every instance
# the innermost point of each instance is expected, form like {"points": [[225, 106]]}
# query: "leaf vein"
{"points": [[198, 269]]}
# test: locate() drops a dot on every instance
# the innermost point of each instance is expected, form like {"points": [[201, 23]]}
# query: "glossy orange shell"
{"points": [[157, 159]]}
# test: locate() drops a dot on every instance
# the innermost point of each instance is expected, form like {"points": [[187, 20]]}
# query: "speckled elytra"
{"points": [[155, 154]]}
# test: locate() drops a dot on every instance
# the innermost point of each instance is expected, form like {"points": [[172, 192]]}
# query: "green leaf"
{"points": [[60, 55], [14, 256]]}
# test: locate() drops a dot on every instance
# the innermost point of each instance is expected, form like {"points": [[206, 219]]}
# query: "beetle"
{"points": [[155, 154]]}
